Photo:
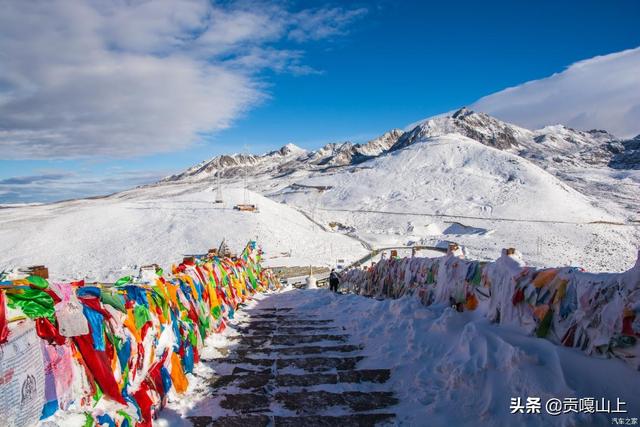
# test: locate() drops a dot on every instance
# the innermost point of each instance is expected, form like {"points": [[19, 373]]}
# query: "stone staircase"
{"points": [[287, 369]]}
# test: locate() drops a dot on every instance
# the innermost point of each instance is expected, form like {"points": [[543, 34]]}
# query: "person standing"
{"points": [[334, 280]]}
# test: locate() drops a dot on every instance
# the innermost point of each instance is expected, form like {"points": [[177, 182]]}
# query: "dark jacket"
{"points": [[334, 278]]}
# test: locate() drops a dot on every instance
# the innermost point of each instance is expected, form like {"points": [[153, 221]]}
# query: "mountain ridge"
{"points": [[560, 143]]}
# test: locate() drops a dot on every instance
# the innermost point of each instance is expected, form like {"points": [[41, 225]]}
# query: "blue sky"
{"points": [[309, 74]]}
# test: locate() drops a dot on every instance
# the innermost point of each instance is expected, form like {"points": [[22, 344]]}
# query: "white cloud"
{"points": [[598, 93], [123, 78]]}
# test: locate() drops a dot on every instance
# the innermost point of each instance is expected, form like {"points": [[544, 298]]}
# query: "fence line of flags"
{"points": [[114, 352]]}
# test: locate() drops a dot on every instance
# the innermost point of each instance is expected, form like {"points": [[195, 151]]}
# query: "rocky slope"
{"points": [[288, 159]]}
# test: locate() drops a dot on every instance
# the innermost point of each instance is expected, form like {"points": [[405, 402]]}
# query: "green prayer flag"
{"points": [[113, 299], [123, 281], [141, 315], [33, 303], [38, 282], [88, 420]]}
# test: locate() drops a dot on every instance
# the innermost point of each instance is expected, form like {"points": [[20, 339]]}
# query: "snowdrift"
{"points": [[114, 353], [597, 313]]}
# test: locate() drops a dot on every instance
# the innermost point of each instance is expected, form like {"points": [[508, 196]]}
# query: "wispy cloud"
{"points": [[54, 186], [32, 179], [105, 78], [598, 93]]}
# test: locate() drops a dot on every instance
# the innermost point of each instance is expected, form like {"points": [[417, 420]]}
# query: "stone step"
{"points": [[246, 402], [296, 351], [243, 381], [288, 321], [357, 420], [349, 376], [286, 340], [310, 364], [270, 316], [283, 330], [320, 364], [246, 421], [308, 402], [312, 402], [293, 351], [257, 381], [253, 371]]}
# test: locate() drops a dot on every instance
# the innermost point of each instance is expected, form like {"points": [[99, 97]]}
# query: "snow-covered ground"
{"points": [[107, 238], [448, 368]]}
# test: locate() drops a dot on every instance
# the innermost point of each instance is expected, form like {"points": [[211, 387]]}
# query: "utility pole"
{"points": [[246, 177], [218, 188]]}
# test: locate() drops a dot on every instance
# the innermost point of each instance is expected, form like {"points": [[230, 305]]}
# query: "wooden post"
{"points": [[39, 270]]}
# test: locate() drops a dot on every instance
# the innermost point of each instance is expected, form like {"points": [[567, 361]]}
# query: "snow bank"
{"points": [[597, 313], [459, 369]]}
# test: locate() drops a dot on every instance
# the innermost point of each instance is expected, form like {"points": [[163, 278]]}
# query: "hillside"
{"points": [[106, 238], [455, 175]]}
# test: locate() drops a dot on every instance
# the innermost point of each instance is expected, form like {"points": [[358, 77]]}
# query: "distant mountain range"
{"points": [[560, 143]]}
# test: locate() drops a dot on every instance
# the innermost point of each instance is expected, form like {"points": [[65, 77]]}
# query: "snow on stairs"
{"points": [[297, 371]]}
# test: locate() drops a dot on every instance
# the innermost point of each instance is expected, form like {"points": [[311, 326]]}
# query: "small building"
{"points": [[246, 208]]}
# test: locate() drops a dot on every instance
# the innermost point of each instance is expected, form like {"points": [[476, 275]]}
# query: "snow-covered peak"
{"points": [[380, 144], [563, 137], [556, 144], [291, 149], [477, 126]]}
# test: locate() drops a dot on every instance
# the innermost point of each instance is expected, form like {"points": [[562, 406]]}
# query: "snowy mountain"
{"points": [[563, 144], [589, 161], [558, 144], [432, 174], [477, 126], [288, 159], [234, 165], [467, 177]]}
